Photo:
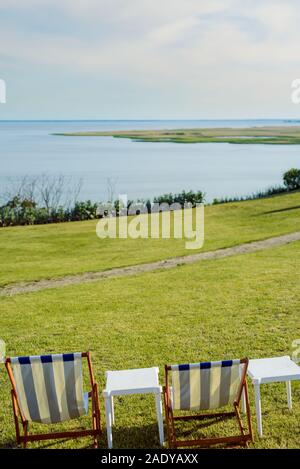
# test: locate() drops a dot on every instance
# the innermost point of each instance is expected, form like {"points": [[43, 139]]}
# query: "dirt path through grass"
{"points": [[246, 248]]}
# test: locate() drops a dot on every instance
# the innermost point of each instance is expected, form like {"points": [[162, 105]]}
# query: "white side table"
{"points": [[272, 370], [138, 381]]}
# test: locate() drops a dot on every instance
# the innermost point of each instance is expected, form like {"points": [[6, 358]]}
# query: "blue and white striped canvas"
{"points": [[50, 387], [206, 385]]}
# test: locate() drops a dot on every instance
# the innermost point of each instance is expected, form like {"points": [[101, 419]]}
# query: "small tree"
{"points": [[291, 179]]}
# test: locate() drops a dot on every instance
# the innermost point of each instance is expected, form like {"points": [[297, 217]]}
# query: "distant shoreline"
{"points": [[271, 135]]}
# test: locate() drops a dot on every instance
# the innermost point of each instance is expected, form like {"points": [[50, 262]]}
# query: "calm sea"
{"points": [[138, 169]]}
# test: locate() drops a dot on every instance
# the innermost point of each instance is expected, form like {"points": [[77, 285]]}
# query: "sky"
{"points": [[149, 59]]}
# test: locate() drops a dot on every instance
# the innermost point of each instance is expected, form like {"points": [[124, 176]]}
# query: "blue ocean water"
{"points": [[140, 169]]}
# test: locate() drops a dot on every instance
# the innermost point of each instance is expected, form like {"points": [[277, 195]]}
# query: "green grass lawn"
{"points": [[48, 251], [226, 308]]}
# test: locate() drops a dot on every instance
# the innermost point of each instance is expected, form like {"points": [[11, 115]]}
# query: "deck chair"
{"points": [[205, 387], [49, 389]]}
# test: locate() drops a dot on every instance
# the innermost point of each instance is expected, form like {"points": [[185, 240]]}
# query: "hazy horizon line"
{"points": [[154, 120]]}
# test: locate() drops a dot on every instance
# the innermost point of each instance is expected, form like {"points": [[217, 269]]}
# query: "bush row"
{"points": [[21, 210], [291, 181], [24, 211]]}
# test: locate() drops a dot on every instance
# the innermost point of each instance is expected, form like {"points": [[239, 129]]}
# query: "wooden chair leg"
{"points": [[25, 427], [16, 416], [94, 420], [173, 433], [98, 409], [169, 422], [173, 438], [238, 416], [96, 415], [248, 412], [167, 417]]}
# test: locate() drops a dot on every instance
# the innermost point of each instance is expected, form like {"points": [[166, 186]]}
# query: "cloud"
{"points": [[276, 17], [187, 49], [93, 34]]}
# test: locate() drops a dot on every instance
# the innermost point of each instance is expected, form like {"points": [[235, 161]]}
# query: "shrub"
{"points": [[181, 198], [164, 199], [291, 179], [84, 211], [256, 195]]}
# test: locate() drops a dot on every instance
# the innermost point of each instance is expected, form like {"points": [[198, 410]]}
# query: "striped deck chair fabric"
{"points": [[50, 387], [207, 385]]}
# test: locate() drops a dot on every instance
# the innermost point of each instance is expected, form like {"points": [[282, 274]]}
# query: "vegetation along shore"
{"points": [[39, 200], [275, 135]]}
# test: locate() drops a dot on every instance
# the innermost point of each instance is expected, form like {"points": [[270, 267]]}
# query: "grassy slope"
{"points": [[246, 305], [259, 135], [34, 252]]}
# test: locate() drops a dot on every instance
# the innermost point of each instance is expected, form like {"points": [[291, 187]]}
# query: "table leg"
{"points": [[258, 408], [112, 410], [289, 394], [159, 417], [108, 417]]}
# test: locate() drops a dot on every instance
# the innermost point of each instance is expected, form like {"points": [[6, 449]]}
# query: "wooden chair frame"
{"points": [[24, 438], [236, 440]]}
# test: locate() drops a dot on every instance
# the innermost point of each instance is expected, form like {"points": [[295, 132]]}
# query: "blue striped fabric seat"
{"points": [[50, 387], [207, 385]]}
